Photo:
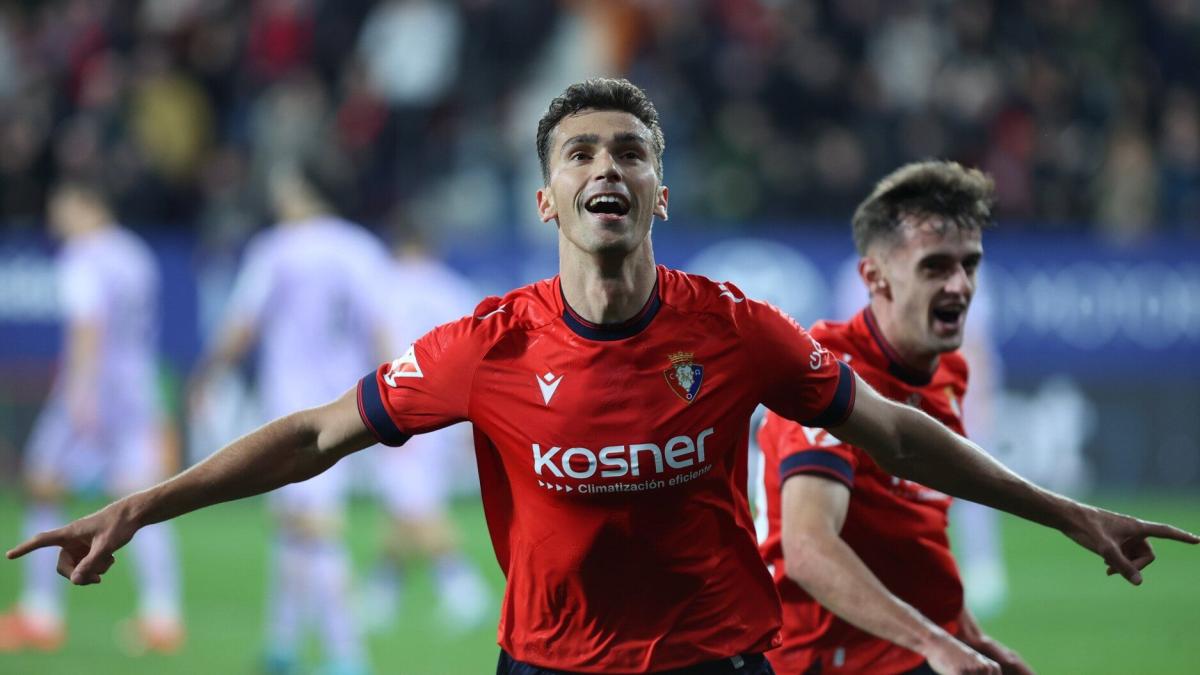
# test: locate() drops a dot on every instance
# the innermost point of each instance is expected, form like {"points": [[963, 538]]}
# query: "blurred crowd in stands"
{"points": [[1087, 112]]}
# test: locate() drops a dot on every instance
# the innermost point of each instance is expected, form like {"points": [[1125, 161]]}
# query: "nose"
{"points": [[606, 167], [960, 282]]}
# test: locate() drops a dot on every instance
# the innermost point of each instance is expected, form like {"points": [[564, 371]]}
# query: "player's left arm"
{"points": [[973, 636], [84, 337], [908, 443]]}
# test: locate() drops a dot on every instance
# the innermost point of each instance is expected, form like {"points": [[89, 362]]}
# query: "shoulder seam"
{"points": [[522, 324]]}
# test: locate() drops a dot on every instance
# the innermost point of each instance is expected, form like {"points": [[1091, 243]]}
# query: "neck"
{"points": [[300, 211], [917, 359], [88, 226], [606, 289]]}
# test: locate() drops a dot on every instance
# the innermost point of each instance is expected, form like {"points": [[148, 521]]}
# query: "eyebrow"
{"points": [[594, 139], [940, 257]]}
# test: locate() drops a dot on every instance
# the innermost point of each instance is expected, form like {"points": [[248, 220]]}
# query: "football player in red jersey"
{"points": [[611, 408], [861, 557]]}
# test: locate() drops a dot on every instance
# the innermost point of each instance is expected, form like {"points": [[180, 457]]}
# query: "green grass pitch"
{"points": [[1063, 614]]}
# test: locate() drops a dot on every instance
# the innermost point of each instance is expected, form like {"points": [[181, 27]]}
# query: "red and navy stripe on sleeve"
{"points": [[843, 400], [374, 414], [821, 462]]}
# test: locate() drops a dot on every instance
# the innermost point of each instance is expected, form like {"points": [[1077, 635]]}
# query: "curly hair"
{"points": [[601, 93]]}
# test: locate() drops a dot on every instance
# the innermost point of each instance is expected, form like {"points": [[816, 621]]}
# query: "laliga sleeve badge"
{"points": [[684, 376], [405, 366]]}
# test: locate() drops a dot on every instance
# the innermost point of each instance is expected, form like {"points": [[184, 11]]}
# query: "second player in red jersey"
{"points": [[861, 556], [897, 527]]}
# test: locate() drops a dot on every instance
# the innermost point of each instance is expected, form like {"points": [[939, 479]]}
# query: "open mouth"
{"points": [[949, 316], [608, 204]]}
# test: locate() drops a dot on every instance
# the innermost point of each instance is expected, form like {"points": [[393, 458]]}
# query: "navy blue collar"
{"points": [[896, 366], [611, 331]]}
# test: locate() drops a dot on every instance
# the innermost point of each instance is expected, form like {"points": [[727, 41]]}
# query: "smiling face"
{"points": [[922, 281], [603, 188]]}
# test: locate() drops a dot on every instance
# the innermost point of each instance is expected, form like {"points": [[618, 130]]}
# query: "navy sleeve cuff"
{"points": [[820, 462], [843, 400], [374, 414]]}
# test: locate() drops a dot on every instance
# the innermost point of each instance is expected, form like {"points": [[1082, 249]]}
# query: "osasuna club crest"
{"points": [[684, 376]]}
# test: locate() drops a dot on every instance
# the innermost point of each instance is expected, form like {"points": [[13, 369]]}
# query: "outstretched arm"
{"points": [[820, 561], [288, 450], [910, 444]]}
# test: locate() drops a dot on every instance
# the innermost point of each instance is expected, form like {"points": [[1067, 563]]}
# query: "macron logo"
{"points": [[548, 384]]}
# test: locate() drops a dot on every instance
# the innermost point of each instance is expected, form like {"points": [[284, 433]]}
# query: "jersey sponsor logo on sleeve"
{"points": [[548, 383], [816, 358], [405, 366], [685, 376]]}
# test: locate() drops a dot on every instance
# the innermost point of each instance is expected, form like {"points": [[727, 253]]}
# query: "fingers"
{"points": [[41, 540], [1164, 531], [1121, 565], [95, 563], [1013, 665]]}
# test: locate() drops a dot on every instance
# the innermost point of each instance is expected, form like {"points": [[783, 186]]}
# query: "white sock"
{"points": [[289, 585], [156, 565], [462, 592], [41, 596], [336, 623]]}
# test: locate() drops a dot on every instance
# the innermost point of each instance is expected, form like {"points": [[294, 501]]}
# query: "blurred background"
{"points": [[779, 116]]}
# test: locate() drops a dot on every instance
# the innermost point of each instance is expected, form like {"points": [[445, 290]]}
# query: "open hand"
{"points": [[87, 544]]}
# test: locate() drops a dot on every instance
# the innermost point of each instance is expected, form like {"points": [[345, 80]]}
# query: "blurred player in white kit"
{"points": [[309, 296], [414, 482], [102, 426]]}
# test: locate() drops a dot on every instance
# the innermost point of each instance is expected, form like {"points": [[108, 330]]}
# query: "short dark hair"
{"points": [[600, 93], [933, 187]]}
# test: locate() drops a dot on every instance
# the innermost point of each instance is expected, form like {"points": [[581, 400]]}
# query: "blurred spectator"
{"points": [[776, 109]]}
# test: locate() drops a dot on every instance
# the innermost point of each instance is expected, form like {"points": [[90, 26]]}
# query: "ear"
{"points": [[871, 272], [660, 204], [547, 211]]}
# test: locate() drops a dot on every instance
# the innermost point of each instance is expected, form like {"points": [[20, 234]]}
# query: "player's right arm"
{"points": [[801, 381], [820, 561], [290, 449], [910, 444]]}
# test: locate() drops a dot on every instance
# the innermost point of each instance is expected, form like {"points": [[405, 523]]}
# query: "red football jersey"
{"points": [[612, 462], [897, 527]]}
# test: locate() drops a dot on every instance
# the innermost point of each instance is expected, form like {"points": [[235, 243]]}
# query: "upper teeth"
{"points": [[604, 199]]}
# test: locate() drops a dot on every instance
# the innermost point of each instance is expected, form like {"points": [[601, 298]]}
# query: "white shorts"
{"points": [[413, 480], [123, 454]]}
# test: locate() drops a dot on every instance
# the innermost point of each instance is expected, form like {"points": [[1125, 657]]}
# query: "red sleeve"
{"points": [[800, 380], [794, 449], [429, 387]]}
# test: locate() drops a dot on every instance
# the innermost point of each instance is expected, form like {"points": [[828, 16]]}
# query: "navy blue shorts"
{"points": [[923, 669], [746, 664]]}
